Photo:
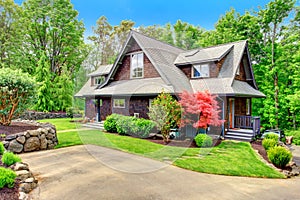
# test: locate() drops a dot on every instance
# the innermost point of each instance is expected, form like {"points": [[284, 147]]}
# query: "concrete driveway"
{"points": [[92, 172]]}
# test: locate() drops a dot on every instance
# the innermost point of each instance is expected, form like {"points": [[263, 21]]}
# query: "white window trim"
{"points": [[131, 54], [97, 78], [248, 104], [200, 65], [238, 70], [119, 106]]}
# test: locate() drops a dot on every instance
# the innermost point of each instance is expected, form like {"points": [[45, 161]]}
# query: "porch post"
{"points": [[98, 111]]}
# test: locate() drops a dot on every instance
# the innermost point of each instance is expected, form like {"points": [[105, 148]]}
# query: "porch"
{"points": [[244, 128]]}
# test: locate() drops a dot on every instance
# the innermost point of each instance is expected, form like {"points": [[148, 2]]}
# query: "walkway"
{"points": [[92, 172]]}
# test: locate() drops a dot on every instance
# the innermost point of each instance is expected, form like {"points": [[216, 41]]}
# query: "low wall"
{"points": [[32, 140], [33, 115]]}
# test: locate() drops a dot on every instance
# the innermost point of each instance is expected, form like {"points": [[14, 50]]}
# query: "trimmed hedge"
{"points": [[203, 140], [269, 144], [10, 158], [279, 156], [128, 125], [7, 177], [272, 136]]}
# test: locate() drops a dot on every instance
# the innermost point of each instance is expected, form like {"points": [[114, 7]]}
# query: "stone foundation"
{"points": [[32, 140]]}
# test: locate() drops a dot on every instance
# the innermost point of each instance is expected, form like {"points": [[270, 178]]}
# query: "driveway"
{"points": [[92, 172]]}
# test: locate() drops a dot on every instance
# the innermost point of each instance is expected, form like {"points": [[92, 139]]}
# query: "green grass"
{"points": [[62, 123], [295, 134], [229, 158]]}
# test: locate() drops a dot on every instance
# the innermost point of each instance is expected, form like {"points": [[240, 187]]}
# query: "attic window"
{"points": [[201, 70], [238, 70], [137, 65], [99, 80]]}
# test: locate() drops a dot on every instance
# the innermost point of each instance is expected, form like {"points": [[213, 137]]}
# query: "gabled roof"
{"points": [[162, 56], [102, 70], [202, 55]]}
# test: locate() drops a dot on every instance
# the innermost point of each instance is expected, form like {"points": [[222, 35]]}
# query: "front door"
{"points": [[231, 112]]}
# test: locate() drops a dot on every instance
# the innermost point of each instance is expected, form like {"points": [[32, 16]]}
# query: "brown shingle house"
{"points": [[145, 67]]}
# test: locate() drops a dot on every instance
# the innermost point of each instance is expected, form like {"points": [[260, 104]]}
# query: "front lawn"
{"points": [[63, 123], [229, 158]]}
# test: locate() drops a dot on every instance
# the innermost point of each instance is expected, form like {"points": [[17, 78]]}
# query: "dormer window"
{"points": [[200, 70], [137, 65], [99, 80]]}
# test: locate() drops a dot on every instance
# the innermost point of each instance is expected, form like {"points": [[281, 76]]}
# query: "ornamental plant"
{"points": [[269, 143], [7, 177], [203, 140], [2, 149], [279, 156], [165, 111], [17, 93], [9, 158], [200, 109]]}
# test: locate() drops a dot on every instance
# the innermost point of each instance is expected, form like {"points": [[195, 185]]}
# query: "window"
{"points": [[200, 71], [119, 103], [137, 65], [238, 70], [99, 80]]}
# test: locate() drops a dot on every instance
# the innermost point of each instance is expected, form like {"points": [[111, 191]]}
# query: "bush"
{"points": [[17, 93], [143, 127], [269, 143], [110, 124], [203, 140], [2, 149], [7, 177], [10, 158], [272, 136], [124, 124], [279, 156]]}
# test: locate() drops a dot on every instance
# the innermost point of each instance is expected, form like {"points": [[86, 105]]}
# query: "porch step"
{"points": [[243, 136], [95, 125]]}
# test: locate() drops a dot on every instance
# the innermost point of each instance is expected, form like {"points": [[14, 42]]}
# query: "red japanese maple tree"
{"points": [[200, 108]]}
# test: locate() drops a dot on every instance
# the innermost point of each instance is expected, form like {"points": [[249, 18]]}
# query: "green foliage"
{"points": [[203, 140], [272, 136], [165, 111], [2, 149], [7, 177], [17, 93], [279, 156], [296, 136], [269, 144], [70, 112], [128, 125], [10, 158], [110, 124]]}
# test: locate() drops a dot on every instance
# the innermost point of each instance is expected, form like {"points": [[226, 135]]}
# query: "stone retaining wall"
{"points": [[32, 140], [33, 115]]}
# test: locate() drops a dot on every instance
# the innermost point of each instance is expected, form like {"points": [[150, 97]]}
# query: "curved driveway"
{"points": [[92, 172]]}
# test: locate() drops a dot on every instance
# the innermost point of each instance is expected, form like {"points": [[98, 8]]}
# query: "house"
{"points": [[145, 67]]}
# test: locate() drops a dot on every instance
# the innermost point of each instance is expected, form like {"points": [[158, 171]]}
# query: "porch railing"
{"points": [[248, 122]]}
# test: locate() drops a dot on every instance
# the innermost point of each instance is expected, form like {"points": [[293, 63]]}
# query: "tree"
{"points": [[165, 111], [52, 30], [10, 37], [200, 109], [17, 93], [121, 32]]}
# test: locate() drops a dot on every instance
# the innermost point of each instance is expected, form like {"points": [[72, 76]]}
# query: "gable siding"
{"points": [[123, 72], [242, 75]]}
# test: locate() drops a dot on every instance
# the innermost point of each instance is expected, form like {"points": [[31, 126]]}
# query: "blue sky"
{"points": [[204, 13]]}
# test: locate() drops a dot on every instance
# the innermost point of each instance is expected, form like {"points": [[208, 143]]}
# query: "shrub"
{"points": [[124, 124], [17, 93], [110, 124], [279, 156], [2, 149], [10, 158], [272, 136], [203, 140], [269, 143], [7, 177], [143, 127]]}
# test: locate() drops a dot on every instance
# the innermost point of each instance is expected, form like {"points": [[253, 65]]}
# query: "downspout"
{"points": [[223, 115]]}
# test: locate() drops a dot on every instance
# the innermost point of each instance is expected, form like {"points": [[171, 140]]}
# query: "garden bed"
{"points": [[15, 127]]}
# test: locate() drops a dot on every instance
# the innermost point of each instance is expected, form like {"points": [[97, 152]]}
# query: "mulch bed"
{"points": [[257, 145], [15, 127]]}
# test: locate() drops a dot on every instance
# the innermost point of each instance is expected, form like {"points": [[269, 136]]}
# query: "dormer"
{"points": [[99, 76]]}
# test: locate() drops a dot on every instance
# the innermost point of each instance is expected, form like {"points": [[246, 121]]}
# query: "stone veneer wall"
{"points": [[32, 140], [33, 115]]}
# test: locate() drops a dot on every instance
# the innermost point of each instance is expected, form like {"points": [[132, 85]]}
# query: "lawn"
{"points": [[229, 158], [63, 123]]}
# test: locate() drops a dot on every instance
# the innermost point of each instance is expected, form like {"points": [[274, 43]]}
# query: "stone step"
{"points": [[239, 134], [94, 125], [238, 137]]}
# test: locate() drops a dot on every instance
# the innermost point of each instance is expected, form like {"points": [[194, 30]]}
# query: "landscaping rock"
{"points": [[21, 139], [23, 174], [10, 137], [44, 142], [32, 143], [23, 196], [34, 132], [20, 166], [15, 146]]}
